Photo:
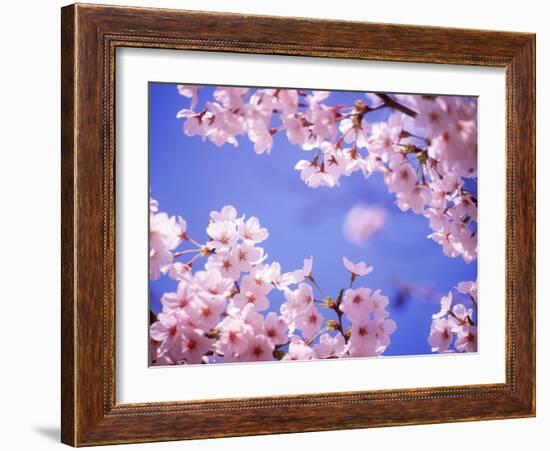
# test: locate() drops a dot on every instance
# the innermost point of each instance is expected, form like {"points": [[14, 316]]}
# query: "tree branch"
{"points": [[392, 103]]}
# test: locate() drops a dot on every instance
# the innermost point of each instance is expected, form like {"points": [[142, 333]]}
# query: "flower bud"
{"points": [[328, 302]]}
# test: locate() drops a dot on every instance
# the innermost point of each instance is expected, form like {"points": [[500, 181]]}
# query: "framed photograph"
{"points": [[266, 230]]}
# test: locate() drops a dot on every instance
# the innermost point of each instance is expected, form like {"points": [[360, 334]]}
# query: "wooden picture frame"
{"points": [[90, 36]]}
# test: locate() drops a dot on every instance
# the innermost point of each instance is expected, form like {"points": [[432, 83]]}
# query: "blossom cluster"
{"points": [[455, 324], [426, 151], [221, 312]]}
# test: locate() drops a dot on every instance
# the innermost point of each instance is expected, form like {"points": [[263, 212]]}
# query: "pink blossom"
{"points": [[247, 256], [385, 329], [440, 335], [440, 221], [357, 304], [153, 205], [262, 138], [226, 263], [262, 275], [466, 340], [194, 123], [251, 293], [205, 310], [330, 346], [446, 302], [309, 321], [259, 349], [433, 114], [354, 161], [379, 304], [287, 99], [180, 300], [465, 207], [469, 287], [251, 232], [272, 274], [461, 315], [299, 350], [361, 223], [275, 329], [178, 270], [159, 262], [223, 126], [334, 161], [317, 97], [301, 274], [357, 269], [385, 136], [295, 130], [227, 213], [190, 91], [402, 179], [306, 168], [297, 303], [363, 339], [223, 235], [165, 233], [448, 246], [212, 282], [253, 318], [234, 337], [194, 344], [324, 174], [415, 199], [166, 331], [230, 97], [354, 132]]}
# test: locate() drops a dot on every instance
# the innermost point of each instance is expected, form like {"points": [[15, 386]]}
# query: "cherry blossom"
{"points": [[363, 340], [251, 293], [247, 257], [440, 335], [309, 321], [220, 312], [305, 273], [233, 339], [425, 150], [259, 348], [468, 287], [275, 329], [357, 303], [251, 232], [330, 346], [361, 223], [359, 269], [299, 350], [455, 323], [223, 235], [165, 234], [466, 340], [190, 91]]}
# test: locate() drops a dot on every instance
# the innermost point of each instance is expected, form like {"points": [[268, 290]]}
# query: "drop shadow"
{"points": [[52, 433]]}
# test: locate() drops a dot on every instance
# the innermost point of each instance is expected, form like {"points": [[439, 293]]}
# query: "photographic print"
{"points": [[298, 224]]}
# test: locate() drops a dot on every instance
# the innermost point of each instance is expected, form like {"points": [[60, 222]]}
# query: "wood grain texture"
{"points": [[90, 36]]}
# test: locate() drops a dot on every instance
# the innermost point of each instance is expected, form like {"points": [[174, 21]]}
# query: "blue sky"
{"points": [[190, 178]]}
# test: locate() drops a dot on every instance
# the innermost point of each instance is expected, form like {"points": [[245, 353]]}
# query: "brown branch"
{"points": [[392, 103]]}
